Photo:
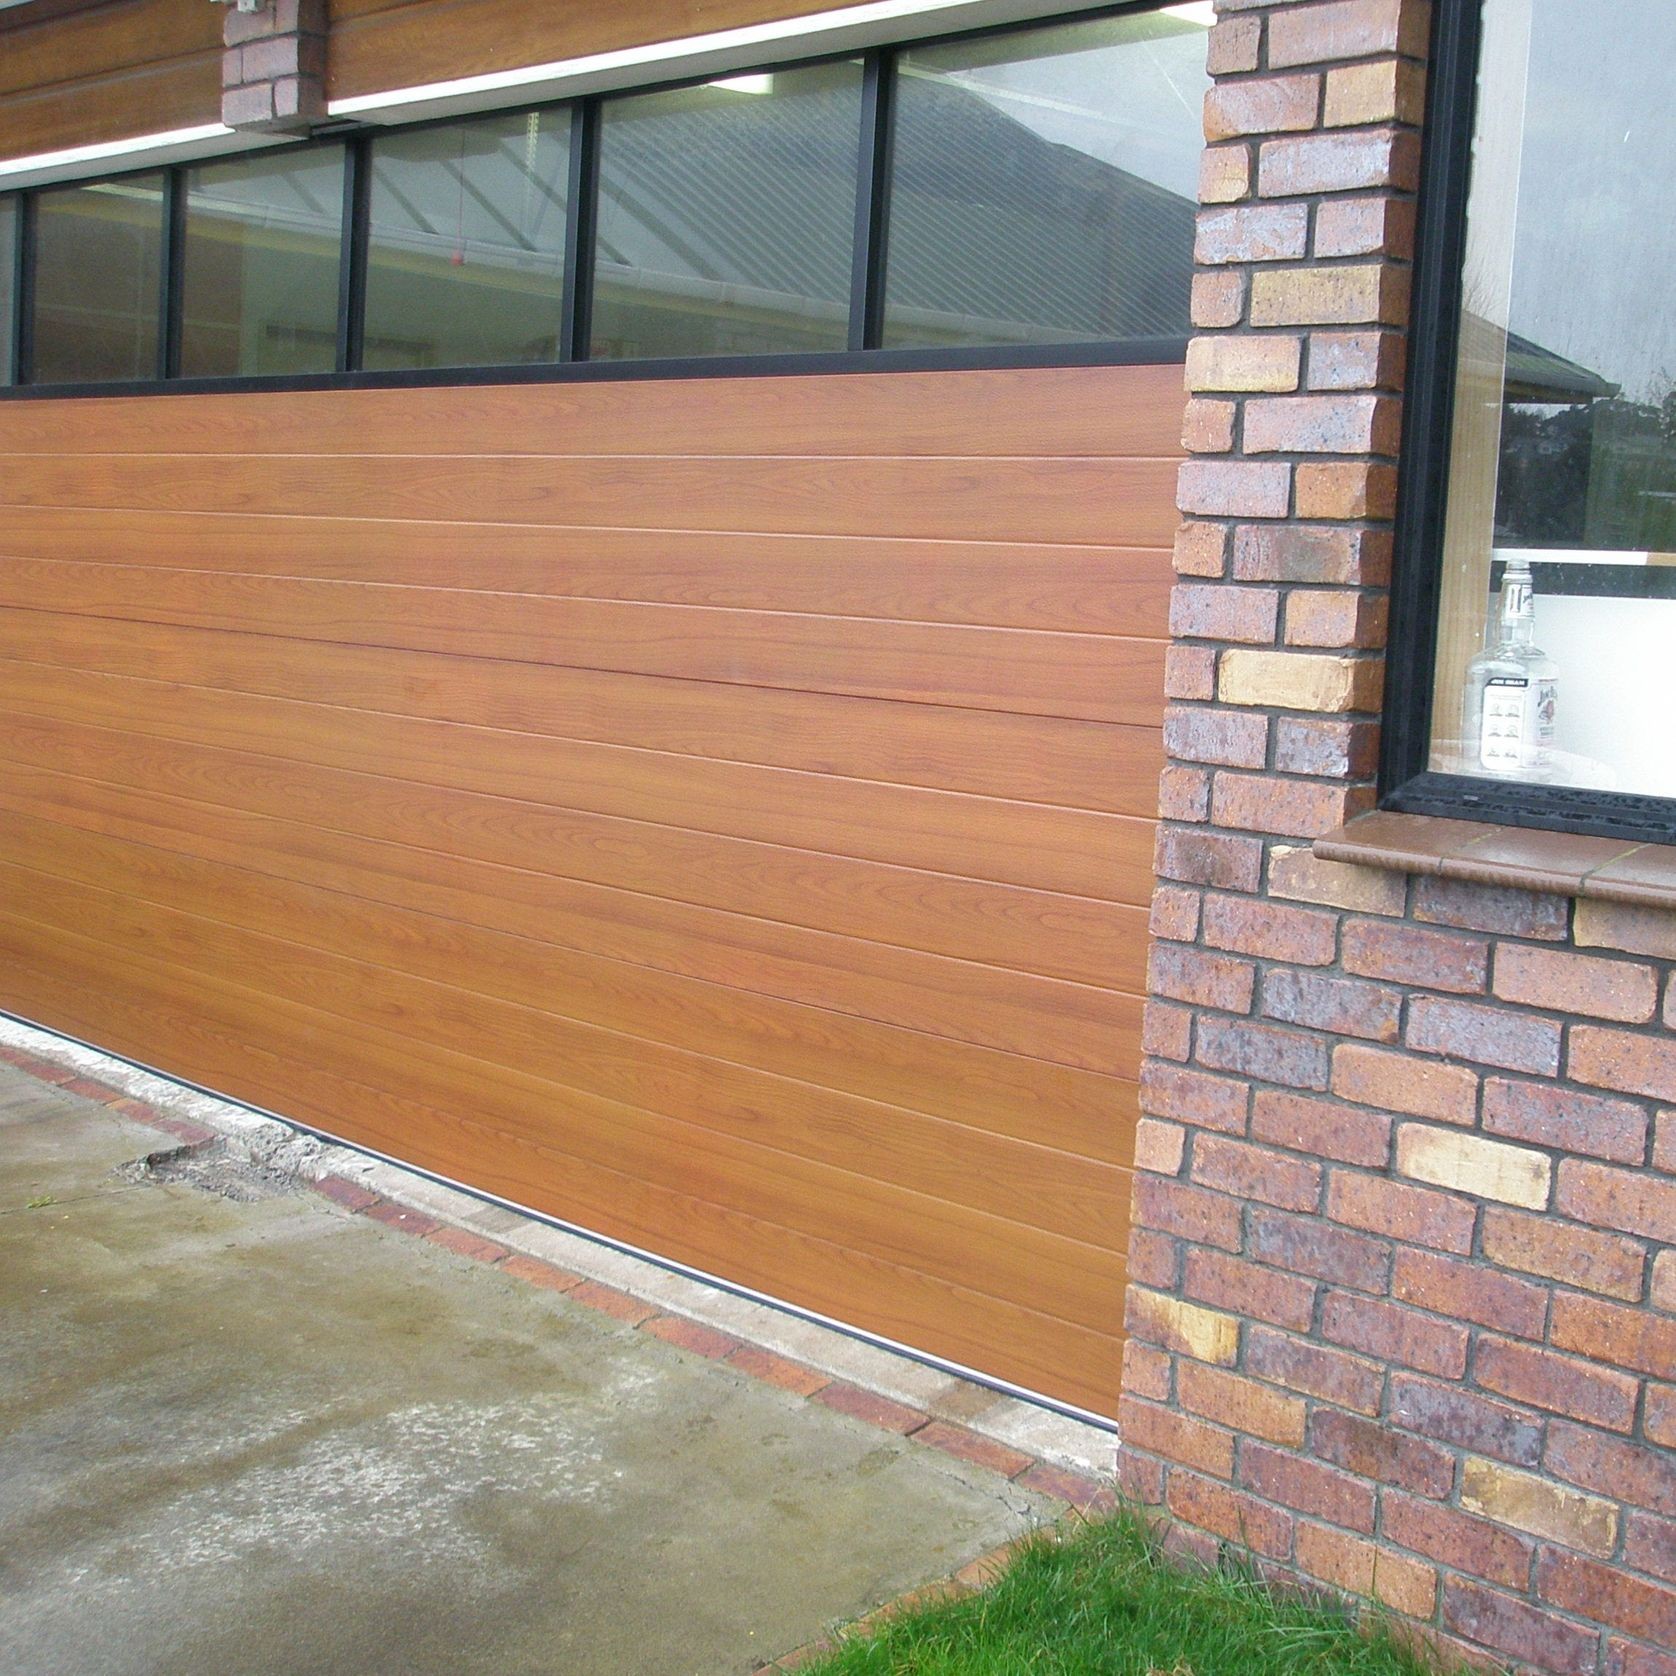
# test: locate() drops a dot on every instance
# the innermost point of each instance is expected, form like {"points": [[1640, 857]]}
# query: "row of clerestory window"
{"points": [[1028, 187]]}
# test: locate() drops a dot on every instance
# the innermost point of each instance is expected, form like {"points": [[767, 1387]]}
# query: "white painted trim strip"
{"points": [[173, 145], [814, 33]]}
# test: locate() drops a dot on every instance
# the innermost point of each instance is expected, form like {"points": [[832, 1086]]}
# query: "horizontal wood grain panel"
{"points": [[211, 1039], [101, 39], [1087, 590], [1032, 759], [1069, 1024], [1006, 1259], [717, 813], [1094, 677], [1035, 412], [437, 40], [175, 93], [1074, 938], [1124, 501], [1066, 850], [958, 1165], [1003, 1094]]}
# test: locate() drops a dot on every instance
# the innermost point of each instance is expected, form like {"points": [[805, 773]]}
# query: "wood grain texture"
{"points": [[1028, 413], [1028, 759], [178, 93], [1000, 1093], [959, 1168], [994, 584], [376, 45], [102, 40], [107, 72], [954, 498], [1078, 939], [1039, 1018], [1064, 850], [722, 822], [272, 1055], [1092, 677]]}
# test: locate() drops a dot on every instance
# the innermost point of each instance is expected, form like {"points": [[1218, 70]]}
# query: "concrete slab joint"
{"points": [[273, 66]]}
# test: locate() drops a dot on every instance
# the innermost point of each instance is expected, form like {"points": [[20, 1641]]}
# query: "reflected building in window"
{"points": [[1563, 445], [1044, 185], [727, 216], [466, 243], [98, 281], [260, 272]]}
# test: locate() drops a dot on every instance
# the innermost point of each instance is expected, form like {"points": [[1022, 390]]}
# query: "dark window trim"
{"points": [[352, 253], [573, 365], [171, 267], [21, 346], [1406, 783], [872, 200], [581, 217]]}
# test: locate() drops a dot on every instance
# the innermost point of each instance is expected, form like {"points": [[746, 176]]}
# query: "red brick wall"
{"points": [[273, 71], [1403, 1301]]}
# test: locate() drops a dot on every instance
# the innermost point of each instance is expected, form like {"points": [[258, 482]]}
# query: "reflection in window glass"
{"points": [[1044, 184], [260, 281], [465, 259], [8, 270], [727, 216], [98, 252], [1562, 480]]}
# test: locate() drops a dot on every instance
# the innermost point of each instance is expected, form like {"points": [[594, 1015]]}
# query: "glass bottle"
{"points": [[1511, 690]]}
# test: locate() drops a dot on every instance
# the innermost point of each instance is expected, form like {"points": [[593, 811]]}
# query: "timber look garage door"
{"points": [[714, 812]]}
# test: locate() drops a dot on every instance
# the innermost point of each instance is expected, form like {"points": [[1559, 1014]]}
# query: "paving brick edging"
{"points": [[1077, 1494]]}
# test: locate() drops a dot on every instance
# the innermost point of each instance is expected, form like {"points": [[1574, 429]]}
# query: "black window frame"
{"points": [[24, 274], [1406, 783], [867, 301]]}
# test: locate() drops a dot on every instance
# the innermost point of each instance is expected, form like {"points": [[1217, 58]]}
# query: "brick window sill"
{"points": [[1557, 863]]}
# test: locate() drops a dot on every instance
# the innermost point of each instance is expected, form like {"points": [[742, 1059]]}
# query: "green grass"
{"points": [[1107, 1601]]}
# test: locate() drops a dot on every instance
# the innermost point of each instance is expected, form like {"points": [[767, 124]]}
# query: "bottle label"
{"points": [[1547, 710], [1505, 724]]}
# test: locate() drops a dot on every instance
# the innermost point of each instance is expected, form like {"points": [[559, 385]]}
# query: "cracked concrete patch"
{"points": [[232, 1170]]}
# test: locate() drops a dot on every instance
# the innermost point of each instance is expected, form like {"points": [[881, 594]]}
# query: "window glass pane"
{"points": [[8, 271], [1044, 183], [260, 282], [1563, 460], [727, 216], [98, 252], [465, 259]]}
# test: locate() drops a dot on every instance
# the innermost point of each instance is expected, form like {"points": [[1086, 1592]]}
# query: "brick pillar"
{"points": [[1402, 1292], [273, 71]]}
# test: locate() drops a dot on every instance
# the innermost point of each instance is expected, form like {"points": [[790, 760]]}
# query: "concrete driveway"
{"points": [[245, 1431]]}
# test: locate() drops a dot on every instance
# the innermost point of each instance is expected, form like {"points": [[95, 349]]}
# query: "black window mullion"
{"points": [[23, 288], [171, 273], [352, 272], [872, 201], [582, 215]]}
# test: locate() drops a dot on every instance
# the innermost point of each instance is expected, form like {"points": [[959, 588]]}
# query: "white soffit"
{"points": [[139, 151], [814, 33]]}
